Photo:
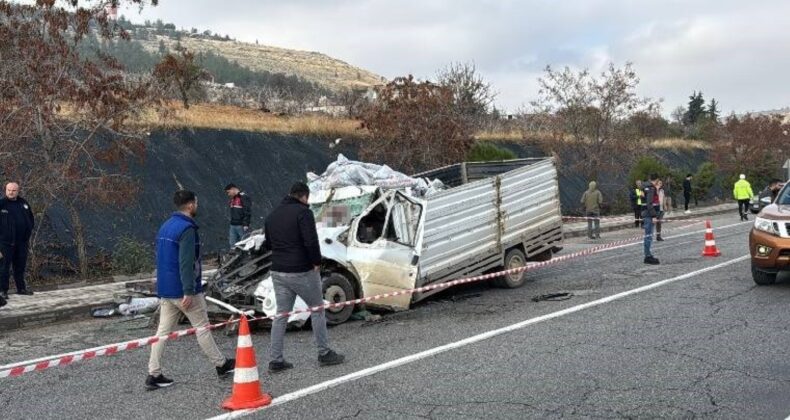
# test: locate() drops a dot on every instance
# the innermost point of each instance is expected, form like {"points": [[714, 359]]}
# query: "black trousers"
{"points": [[14, 258], [743, 207], [686, 199]]}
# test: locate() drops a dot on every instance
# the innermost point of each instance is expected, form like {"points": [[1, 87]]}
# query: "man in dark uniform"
{"points": [[16, 227]]}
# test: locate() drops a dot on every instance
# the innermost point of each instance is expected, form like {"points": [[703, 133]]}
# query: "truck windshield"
{"points": [[784, 196], [340, 212]]}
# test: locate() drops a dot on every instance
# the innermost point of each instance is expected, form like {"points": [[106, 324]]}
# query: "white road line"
{"points": [[467, 341], [640, 242]]}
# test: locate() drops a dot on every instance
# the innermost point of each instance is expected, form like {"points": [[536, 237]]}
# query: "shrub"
{"points": [[646, 166], [482, 152], [132, 257], [704, 180]]}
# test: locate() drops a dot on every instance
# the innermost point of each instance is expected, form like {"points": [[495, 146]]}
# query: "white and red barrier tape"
{"points": [[629, 219], [18, 369]]}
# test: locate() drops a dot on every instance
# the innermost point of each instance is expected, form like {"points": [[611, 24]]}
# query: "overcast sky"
{"points": [[737, 51]]}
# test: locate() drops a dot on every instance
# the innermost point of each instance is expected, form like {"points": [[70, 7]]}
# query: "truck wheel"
{"points": [[337, 288], [513, 259], [762, 278]]}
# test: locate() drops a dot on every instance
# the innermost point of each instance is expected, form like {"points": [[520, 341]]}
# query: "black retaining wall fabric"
{"points": [[264, 165]]}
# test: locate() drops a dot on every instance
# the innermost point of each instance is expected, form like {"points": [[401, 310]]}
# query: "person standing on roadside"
{"points": [[669, 197], [179, 284], [742, 191], [652, 200], [296, 263], [592, 200], [687, 192], [240, 214], [637, 202], [16, 228], [661, 210]]}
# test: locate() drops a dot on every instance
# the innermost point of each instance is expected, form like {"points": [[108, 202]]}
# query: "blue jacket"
{"points": [[170, 282]]}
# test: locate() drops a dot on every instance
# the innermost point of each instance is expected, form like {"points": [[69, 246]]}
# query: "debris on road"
{"points": [[553, 297], [133, 306]]}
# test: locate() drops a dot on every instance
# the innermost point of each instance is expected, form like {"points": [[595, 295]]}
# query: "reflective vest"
{"points": [[639, 195], [742, 190]]}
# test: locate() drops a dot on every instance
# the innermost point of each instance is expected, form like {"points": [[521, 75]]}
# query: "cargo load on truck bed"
{"points": [[376, 240]]}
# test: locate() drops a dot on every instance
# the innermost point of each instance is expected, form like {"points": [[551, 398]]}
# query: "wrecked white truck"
{"points": [[376, 240]]}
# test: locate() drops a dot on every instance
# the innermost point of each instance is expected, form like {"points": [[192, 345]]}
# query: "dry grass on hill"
{"points": [[680, 144], [223, 117]]}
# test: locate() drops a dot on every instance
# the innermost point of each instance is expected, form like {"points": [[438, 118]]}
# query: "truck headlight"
{"points": [[766, 225], [763, 251]]}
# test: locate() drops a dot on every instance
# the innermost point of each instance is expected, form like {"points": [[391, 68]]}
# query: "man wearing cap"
{"points": [[742, 191], [240, 214], [296, 271]]}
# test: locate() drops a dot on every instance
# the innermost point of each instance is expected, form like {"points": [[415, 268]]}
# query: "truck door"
{"points": [[384, 248]]}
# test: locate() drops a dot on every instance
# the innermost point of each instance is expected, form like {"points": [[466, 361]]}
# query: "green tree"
{"points": [[704, 180], [713, 110], [696, 109], [646, 166]]}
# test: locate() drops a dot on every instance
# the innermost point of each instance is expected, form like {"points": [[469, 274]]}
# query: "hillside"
{"points": [[326, 72], [311, 66]]}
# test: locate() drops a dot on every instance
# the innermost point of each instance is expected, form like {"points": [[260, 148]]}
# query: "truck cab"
{"points": [[769, 240]]}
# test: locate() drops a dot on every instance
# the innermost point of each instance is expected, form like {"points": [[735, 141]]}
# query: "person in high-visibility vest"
{"points": [[637, 196], [742, 191]]}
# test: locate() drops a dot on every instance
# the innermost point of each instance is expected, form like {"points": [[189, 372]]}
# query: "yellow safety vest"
{"points": [[639, 195]]}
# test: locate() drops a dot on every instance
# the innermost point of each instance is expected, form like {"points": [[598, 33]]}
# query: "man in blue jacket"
{"points": [[16, 228], [180, 288]]}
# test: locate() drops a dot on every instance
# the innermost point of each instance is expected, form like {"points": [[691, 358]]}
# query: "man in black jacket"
{"points": [[240, 214], [16, 227], [296, 263], [687, 192]]}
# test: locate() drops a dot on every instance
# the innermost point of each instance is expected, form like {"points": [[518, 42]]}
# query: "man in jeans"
{"points": [[296, 263], [240, 214], [179, 285], [652, 203]]}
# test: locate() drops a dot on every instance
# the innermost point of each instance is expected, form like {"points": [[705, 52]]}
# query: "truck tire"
{"points": [[762, 278], [513, 259], [337, 288]]}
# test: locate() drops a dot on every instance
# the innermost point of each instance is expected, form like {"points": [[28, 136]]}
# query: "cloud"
{"points": [[732, 50]]}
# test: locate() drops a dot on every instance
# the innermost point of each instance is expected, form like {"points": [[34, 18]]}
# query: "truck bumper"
{"points": [[769, 253]]}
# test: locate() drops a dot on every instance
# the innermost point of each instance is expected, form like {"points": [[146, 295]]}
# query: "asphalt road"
{"points": [[691, 343]]}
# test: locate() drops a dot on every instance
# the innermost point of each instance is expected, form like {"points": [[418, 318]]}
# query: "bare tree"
{"points": [[755, 145], [180, 73], [588, 114], [63, 118], [472, 95], [415, 125]]}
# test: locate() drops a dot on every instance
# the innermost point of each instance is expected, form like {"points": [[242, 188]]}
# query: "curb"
{"points": [[14, 322], [8, 323], [582, 230]]}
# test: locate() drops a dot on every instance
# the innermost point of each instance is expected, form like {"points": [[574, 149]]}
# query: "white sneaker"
{"points": [[688, 212]]}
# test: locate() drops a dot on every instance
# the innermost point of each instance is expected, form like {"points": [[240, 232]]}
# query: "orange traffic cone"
{"points": [[246, 385], [710, 243]]}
